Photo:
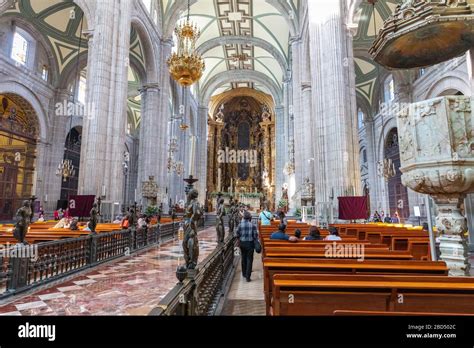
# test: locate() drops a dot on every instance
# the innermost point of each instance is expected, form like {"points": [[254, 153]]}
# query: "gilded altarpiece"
{"points": [[241, 159]]}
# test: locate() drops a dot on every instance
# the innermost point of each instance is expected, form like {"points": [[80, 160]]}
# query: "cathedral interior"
{"points": [[181, 117]]}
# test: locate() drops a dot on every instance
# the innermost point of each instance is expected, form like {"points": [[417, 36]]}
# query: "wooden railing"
{"points": [[199, 293], [25, 267]]}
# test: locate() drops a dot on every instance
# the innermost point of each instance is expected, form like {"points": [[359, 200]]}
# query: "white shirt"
{"points": [[333, 237]]}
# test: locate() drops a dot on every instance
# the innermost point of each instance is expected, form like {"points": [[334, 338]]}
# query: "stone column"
{"points": [[371, 149], [55, 147], [201, 152], [212, 154], [452, 224], [163, 114], [150, 163], [279, 151], [335, 111], [107, 84]]}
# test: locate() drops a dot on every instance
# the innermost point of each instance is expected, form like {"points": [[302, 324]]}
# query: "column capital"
{"points": [[167, 42], [152, 87], [294, 40]]}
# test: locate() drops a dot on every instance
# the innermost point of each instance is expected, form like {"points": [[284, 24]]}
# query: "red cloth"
{"points": [[80, 206], [352, 208]]}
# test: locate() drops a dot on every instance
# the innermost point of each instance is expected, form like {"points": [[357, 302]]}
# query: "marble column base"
{"points": [[455, 252]]}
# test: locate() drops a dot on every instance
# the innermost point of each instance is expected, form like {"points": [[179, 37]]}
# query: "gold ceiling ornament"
{"points": [[186, 66], [422, 33]]}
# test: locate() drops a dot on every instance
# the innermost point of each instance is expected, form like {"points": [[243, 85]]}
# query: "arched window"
{"points": [[360, 118], [81, 92], [389, 90], [20, 48]]}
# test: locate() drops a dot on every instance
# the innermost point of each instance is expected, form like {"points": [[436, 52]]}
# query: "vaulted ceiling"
{"points": [[59, 21], [370, 20], [247, 19]]}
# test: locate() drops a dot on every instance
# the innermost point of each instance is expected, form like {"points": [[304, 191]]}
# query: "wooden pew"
{"points": [[316, 295], [321, 254], [274, 266], [345, 313]]}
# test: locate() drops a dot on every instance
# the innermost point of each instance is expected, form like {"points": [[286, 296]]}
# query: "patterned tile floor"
{"points": [[246, 298], [131, 286]]}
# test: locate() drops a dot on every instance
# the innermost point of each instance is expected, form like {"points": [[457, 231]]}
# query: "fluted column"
{"points": [[306, 127], [149, 163], [107, 83], [279, 151], [201, 152], [333, 87], [211, 158], [163, 114]]}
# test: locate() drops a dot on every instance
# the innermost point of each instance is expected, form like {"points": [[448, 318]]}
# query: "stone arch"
{"points": [[387, 127], [12, 87], [86, 7], [454, 81], [238, 76], [261, 97], [352, 7], [150, 54]]}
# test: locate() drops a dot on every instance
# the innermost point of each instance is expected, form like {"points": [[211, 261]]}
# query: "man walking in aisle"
{"points": [[247, 236]]}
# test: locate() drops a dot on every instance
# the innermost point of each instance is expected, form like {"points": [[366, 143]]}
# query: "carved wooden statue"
{"points": [[220, 227], [93, 218], [231, 217], [23, 222], [191, 243]]}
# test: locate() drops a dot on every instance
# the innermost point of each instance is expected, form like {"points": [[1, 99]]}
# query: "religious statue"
{"points": [[93, 218], [231, 216], [266, 116], [220, 221], [132, 218], [23, 222], [193, 214], [236, 215]]}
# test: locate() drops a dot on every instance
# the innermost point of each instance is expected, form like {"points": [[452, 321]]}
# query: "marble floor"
{"points": [[129, 286], [246, 298]]}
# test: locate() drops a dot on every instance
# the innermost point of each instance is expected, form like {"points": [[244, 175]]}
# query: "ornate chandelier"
{"points": [[66, 170], [186, 66], [386, 169]]}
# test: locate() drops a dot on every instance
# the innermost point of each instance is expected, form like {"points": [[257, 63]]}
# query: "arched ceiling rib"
{"points": [[367, 71], [258, 39]]}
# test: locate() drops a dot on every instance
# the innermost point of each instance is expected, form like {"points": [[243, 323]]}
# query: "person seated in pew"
{"points": [[298, 234], [281, 234], [333, 234], [63, 223], [314, 234], [87, 229], [73, 226]]}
